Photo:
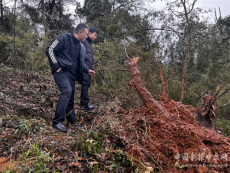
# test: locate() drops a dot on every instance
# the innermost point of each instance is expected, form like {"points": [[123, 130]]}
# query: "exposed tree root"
{"points": [[167, 132]]}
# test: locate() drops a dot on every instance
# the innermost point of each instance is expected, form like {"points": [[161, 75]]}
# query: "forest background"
{"points": [[28, 27]]}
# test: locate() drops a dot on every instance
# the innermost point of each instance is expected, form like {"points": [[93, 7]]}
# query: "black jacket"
{"points": [[89, 53], [60, 52], [88, 61]]}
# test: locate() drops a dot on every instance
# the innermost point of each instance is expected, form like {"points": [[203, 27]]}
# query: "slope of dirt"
{"points": [[169, 142], [26, 101], [176, 142]]}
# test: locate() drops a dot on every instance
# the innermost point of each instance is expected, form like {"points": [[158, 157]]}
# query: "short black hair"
{"points": [[92, 30], [80, 27]]}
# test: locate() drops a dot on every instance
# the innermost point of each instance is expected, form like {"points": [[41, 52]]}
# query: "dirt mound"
{"points": [[166, 134], [175, 142]]}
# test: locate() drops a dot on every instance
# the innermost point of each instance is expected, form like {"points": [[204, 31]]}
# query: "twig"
{"points": [[218, 91], [157, 162], [119, 88], [177, 113], [162, 79], [223, 92]]}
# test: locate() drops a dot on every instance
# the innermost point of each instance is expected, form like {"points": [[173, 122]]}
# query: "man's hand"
{"points": [[58, 70], [91, 72]]}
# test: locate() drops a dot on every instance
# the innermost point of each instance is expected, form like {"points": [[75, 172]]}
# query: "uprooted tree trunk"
{"points": [[204, 114], [137, 84], [169, 130]]}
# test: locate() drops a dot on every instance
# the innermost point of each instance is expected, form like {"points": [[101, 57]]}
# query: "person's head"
{"points": [[81, 32], [92, 33]]}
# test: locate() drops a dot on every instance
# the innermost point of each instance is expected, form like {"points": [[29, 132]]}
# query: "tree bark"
{"points": [[204, 114], [44, 16], [1, 6], [137, 84], [51, 7]]}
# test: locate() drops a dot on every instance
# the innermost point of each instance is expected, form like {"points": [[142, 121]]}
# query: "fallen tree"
{"points": [[170, 136]]}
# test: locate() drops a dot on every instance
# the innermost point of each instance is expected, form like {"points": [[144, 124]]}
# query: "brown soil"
{"points": [[4, 163], [165, 141]]}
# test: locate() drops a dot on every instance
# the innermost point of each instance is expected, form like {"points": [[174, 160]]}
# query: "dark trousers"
{"points": [[84, 89], [65, 103], [84, 94]]}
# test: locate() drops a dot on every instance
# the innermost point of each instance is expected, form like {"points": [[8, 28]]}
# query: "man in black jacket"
{"points": [[85, 83], [66, 54]]}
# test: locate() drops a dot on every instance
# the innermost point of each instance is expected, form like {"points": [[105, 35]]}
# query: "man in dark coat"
{"points": [[85, 83], [66, 54]]}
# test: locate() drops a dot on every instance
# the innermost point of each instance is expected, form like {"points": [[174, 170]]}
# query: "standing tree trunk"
{"points": [[44, 17], [1, 6]]}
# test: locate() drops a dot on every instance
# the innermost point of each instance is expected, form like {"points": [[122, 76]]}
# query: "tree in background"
{"points": [[50, 14], [224, 27], [6, 28], [6, 18], [114, 19], [35, 21], [179, 20]]}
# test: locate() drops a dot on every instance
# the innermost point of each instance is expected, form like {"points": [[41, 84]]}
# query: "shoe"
{"points": [[60, 127], [88, 107]]}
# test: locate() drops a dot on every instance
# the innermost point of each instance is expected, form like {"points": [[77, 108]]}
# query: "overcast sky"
{"points": [[159, 4], [207, 4], [215, 4]]}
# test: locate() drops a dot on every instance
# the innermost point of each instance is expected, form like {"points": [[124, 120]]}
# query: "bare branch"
{"points": [[193, 4], [119, 88], [164, 96], [172, 30], [177, 12], [125, 50], [218, 91], [185, 12]]}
